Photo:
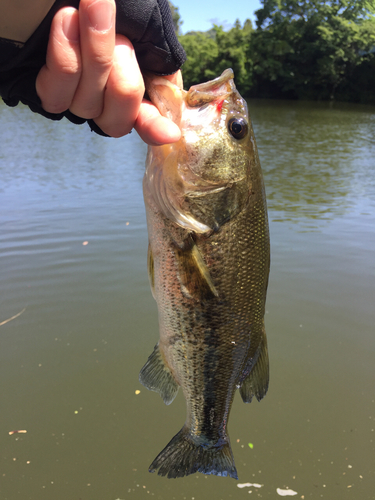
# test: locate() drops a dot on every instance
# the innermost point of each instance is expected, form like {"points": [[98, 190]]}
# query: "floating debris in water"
{"points": [[84, 243], [17, 432], [251, 445], [13, 317], [137, 392], [286, 493], [249, 485]]}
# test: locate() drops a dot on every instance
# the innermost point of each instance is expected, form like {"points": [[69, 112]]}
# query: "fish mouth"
{"points": [[219, 88]]}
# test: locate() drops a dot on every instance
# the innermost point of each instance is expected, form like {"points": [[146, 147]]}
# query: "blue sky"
{"points": [[200, 15]]}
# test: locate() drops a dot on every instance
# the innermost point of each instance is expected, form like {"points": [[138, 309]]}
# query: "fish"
{"points": [[208, 264]]}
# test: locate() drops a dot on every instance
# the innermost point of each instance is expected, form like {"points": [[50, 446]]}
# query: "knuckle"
{"points": [[115, 130], [134, 90], [55, 107], [87, 111], [102, 62], [128, 90], [69, 70], [64, 64]]}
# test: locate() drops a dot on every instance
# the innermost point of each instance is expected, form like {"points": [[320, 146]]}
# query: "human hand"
{"points": [[95, 74]]}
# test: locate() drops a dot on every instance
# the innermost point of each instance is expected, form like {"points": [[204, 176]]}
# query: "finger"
{"points": [[97, 35], [155, 129], [58, 79], [124, 91]]}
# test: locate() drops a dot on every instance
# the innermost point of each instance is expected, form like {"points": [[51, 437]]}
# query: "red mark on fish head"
{"points": [[219, 105]]}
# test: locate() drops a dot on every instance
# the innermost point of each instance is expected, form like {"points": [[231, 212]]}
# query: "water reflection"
{"points": [[69, 364], [62, 156], [317, 158]]}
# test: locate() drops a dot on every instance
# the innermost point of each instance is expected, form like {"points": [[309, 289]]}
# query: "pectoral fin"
{"points": [[156, 376], [256, 382], [193, 272]]}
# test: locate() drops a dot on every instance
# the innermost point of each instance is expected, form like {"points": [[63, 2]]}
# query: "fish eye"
{"points": [[237, 127]]}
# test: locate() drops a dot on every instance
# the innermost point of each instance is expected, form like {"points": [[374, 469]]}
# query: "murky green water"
{"points": [[69, 363]]}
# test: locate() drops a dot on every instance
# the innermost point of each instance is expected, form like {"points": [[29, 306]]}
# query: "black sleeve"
{"points": [[147, 23]]}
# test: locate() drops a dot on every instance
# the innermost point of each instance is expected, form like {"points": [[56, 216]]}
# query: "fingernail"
{"points": [[70, 27], [101, 15]]}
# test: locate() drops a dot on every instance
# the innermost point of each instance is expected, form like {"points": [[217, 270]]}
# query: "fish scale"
{"points": [[208, 265]]}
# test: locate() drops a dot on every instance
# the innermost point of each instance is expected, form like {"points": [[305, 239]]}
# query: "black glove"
{"points": [[147, 23]]}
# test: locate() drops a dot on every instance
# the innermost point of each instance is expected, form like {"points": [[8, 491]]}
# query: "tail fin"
{"points": [[182, 456]]}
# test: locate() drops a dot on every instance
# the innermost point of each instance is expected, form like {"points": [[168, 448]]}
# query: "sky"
{"points": [[200, 15]]}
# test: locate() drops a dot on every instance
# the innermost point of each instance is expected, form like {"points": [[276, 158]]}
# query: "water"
{"points": [[73, 249]]}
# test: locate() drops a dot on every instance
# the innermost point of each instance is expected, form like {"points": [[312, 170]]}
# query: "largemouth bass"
{"points": [[208, 263]]}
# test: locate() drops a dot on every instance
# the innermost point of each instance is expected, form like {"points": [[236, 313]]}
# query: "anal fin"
{"points": [[256, 382], [156, 376]]}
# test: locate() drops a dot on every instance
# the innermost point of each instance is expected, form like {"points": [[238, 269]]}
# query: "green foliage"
{"points": [[201, 51], [233, 47], [301, 49], [176, 17], [210, 53], [308, 48]]}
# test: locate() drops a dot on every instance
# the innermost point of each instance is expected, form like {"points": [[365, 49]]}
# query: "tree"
{"points": [[233, 49], [307, 48], [210, 53], [301, 49], [274, 11], [201, 50], [176, 17]]}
